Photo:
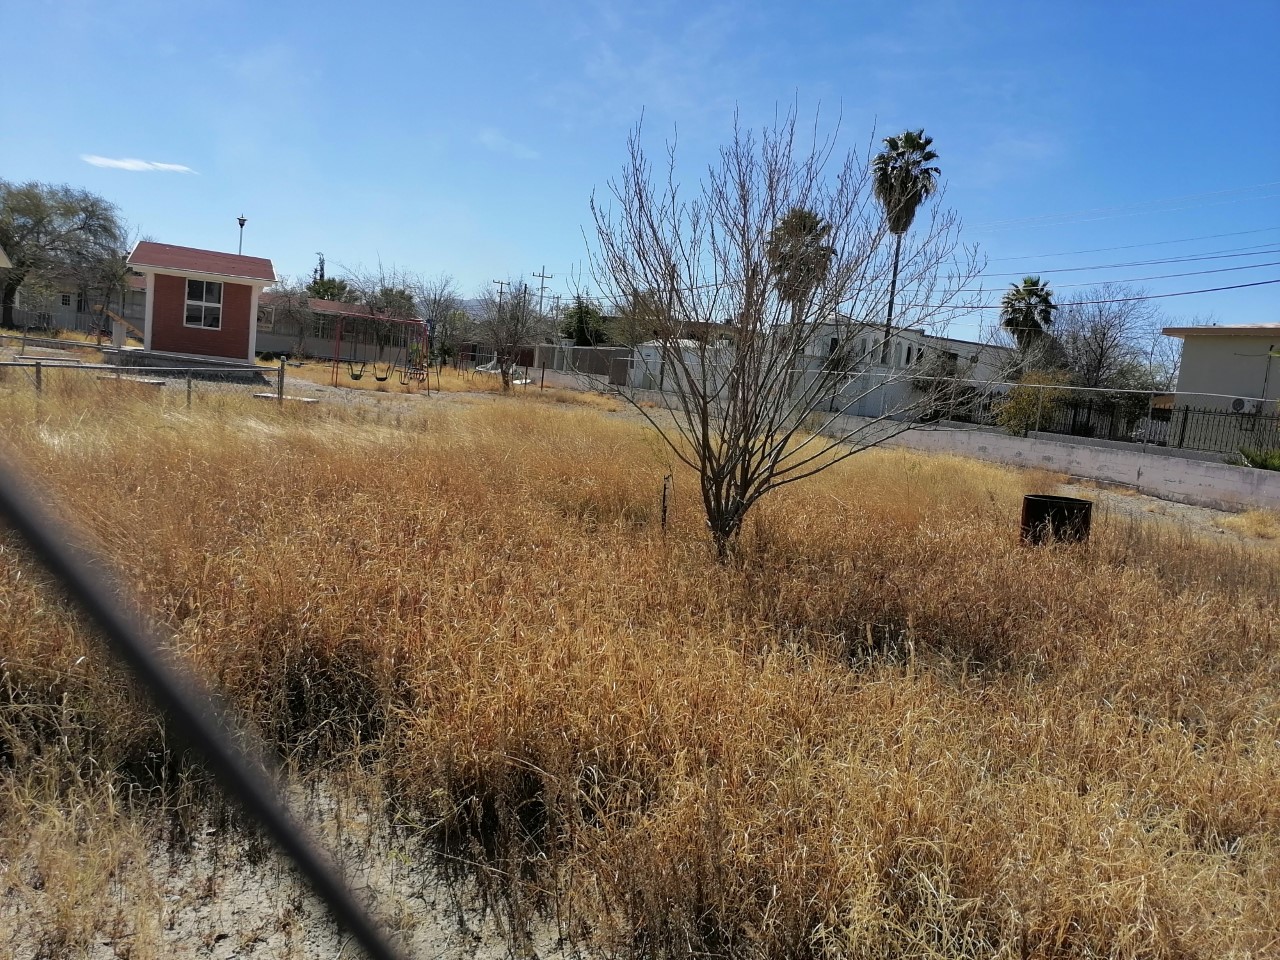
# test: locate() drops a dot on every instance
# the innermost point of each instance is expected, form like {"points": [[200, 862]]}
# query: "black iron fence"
{"points": [[1223, 431], [1131, 419]]}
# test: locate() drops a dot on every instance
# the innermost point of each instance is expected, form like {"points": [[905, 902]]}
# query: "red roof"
{"points": [[336, 308], [167, 256]]}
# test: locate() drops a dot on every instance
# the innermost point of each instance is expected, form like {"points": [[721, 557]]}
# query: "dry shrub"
{"points": [[888, 729]]}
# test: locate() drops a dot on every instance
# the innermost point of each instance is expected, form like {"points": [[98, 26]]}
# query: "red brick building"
{"points": [[200, 302]]}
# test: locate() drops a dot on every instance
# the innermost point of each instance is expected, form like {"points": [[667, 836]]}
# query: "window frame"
{"points": [[203, 304]]}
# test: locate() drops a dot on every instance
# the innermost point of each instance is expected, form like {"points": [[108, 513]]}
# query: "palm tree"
{"points": [[799, 257], [1026, 311], [902, 180]]}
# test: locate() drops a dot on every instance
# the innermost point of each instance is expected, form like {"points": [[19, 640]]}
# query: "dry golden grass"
{"points": [[1262, 524], [887, 730]]}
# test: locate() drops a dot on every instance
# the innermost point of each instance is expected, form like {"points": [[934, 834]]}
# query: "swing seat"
{"points": [[353, 372]]}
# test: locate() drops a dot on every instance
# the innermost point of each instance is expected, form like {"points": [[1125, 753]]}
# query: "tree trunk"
{"points": [[893, 292], [10, 295]]}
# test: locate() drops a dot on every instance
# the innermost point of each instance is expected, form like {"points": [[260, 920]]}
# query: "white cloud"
{"points": [[128, 163], [490, 138]]}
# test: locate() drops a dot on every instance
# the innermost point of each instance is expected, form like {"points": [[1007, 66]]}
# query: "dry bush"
{"points": [[889, 729]]}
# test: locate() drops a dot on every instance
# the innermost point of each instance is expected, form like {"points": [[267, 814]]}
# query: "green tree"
{"points": [[49, 229], [1034, 402], [332, 288], [799, 257], [583, 323], [902, 178], [1027, 312], [394, 302]]}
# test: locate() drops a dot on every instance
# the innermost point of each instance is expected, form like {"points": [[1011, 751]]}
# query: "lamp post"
{"points": [[240, 220]]}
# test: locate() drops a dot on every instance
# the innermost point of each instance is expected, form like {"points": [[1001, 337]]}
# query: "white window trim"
{"points": [[202, 303]]}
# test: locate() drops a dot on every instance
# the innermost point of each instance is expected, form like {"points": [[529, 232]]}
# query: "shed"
{"points": [[201, 302]]}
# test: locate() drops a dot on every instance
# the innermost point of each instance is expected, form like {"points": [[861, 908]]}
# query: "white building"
{"points": [[1232, 368], [865, 387]]}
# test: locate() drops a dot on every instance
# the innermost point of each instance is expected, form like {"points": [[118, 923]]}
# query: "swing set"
{"points": [[383, 346]]}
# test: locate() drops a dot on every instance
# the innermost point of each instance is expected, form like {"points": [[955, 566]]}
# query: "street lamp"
{"points": [[240, 220]]}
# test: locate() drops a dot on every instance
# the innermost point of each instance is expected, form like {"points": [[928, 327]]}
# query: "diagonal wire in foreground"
{"points": [[187, 704]]}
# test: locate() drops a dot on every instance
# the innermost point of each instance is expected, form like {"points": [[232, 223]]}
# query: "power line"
{"points": [[1260, 251], [1134, 246], [962, 308], [1162, 276]]}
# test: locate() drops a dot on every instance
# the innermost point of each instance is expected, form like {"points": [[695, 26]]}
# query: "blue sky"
{"points": [[468, 138]]}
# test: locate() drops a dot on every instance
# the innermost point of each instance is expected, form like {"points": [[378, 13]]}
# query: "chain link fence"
{"points": [[187, 386]]}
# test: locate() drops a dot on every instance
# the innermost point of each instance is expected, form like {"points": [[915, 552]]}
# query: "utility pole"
{"points": [[544, 277], [502, 287]]}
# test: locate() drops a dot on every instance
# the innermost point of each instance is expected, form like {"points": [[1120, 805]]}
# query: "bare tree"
{"points": [[632, 322], [388, 294], [1108, 334], [441, 306], [510, 322], [767, 320], [288, 304]]}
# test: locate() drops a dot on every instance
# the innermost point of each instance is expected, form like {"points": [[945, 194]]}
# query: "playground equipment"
{"points": [[361, 341]]}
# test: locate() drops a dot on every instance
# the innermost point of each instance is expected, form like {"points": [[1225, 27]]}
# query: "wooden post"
{"points": [[188, 389], [1039, 404], [39, 378], [280, 384], [543, 384], [1146, 432]]}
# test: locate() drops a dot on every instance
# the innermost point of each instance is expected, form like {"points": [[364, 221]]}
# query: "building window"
{"points": [[204, 304], [66, 299]]}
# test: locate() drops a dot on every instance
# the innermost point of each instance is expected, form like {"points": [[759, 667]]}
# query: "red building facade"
{"points": [[201, 302]]}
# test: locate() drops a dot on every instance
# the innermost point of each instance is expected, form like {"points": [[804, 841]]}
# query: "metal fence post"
{"points": [[188, 389], [1039, 405], [1146, 432], [39, 378], [280, 384]]}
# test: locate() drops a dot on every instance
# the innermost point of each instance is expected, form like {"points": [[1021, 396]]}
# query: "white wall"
{"points": [[1238, 366], [1171, 478]]}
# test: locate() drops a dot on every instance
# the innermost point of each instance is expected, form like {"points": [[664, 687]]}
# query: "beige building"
{"points": [[1232, 368]]}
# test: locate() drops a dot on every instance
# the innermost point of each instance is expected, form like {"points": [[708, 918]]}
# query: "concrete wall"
{"points": [[1171, 478]]}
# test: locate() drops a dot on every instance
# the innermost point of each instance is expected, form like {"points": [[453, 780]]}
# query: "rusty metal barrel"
{"points": [[1049, 519]]}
